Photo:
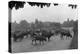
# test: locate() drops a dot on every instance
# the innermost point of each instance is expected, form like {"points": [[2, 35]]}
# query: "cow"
{"points": [[35, 33], [20, 35], [40, 39], [67, 34], [47, 34], [63, 33]]}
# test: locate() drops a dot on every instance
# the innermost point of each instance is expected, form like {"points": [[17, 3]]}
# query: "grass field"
{"points": [[55, 44]]}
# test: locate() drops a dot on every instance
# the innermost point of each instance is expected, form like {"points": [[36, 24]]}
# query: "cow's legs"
{"points": [[48, 38], [62, 37], [15, 39], [40, 42], [32, 42]]}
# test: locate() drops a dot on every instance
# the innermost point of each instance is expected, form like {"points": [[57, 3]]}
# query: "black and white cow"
{"points": [[38, 38], [67, 34]]}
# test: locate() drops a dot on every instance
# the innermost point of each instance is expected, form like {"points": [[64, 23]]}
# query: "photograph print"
{"points": [[41, 26]]}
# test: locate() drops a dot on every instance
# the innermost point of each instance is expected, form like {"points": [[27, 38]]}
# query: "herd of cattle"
{"points": [[39, 35]]}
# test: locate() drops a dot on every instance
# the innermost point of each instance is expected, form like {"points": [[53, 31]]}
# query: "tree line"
{"points": [[24, 25]]}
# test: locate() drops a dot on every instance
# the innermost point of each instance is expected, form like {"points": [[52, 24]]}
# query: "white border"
{"points": [[4, 27]]}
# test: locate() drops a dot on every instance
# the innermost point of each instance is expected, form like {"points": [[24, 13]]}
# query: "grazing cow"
{"points": [[63, 33], [67, 34], [26, 34], [35, 34], [47, 34], [19, 36], [40, 39]]}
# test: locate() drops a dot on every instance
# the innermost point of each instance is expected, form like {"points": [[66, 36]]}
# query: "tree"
{"points": [[39, 4], [68, 23], [24, 24], [16, 4]]}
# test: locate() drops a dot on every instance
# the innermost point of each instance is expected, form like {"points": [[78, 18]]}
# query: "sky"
{"points": [[53, 13]]}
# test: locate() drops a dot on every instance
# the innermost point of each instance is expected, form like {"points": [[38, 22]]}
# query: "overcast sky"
{"points": [[53, 13]]}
